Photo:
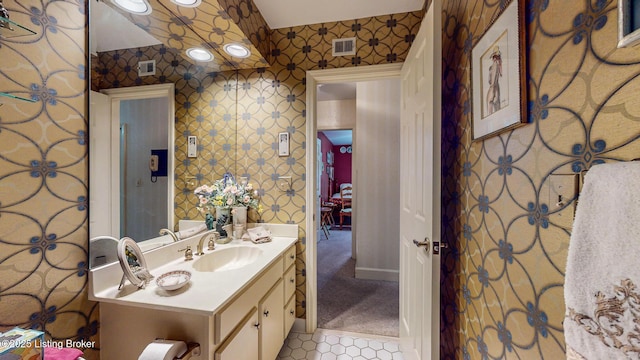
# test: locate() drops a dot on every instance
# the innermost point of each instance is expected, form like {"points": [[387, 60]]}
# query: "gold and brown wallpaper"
{"points": [[238, 115], [502, 278], [43, 175]]}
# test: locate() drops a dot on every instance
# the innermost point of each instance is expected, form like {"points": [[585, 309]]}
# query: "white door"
{"points": [[420, 192]]}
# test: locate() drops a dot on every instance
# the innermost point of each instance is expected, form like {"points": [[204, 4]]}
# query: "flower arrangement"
{"points": [[227, 193]]}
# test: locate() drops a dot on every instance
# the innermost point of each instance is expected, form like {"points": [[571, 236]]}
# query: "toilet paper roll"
{"points": [[163, 350]]}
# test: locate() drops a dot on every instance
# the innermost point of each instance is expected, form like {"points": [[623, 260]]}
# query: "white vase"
{"points": [[239, 214]]}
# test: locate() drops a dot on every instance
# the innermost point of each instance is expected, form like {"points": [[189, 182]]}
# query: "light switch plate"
{"points": [[562, 197], [192, 146]]}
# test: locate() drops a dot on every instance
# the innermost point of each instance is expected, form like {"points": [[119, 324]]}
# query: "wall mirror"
{"points": [[122, 185]]}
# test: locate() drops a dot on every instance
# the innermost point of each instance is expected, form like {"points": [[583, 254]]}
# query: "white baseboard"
{"points": [[377, 274], [299, 325]]}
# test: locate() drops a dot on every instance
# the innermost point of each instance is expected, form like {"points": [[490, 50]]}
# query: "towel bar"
{"points": [[584, 172]]}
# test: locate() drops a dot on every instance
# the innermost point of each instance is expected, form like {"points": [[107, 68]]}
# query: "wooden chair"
{"points": [[345, 199]]}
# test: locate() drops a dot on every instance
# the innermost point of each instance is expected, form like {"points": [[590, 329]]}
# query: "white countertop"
{"points": [[206, 293]]}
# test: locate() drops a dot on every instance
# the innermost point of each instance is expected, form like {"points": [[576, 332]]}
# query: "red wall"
{"points": [[342, 171], [324, 177]]}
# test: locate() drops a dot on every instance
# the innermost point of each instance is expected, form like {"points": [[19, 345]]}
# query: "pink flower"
{"points": [[246, 199], [203, 200], [229, 201]]}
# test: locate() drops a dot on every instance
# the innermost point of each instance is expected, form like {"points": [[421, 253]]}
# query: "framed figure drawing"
{"points": [[498, 74], [628, 23]]}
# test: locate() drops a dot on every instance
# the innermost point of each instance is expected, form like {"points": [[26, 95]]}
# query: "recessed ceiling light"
{"points": [[187, 3], [138, 7], [199, 54], [237, 50]]}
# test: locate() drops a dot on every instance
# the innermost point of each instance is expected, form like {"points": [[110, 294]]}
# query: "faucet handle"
{"points": [[188, 253], [212, 240]]}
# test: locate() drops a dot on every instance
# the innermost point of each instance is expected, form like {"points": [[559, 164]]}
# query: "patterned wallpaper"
{"points": [[43, 175], [238, 115], [502, 283], [502, 278]]}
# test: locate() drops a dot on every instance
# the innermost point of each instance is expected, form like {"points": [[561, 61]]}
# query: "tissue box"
{"points": [[20, 344]]}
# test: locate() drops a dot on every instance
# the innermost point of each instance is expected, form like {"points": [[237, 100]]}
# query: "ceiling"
{"points": [[112, 31], [339, 137], [341, 91], [286, 13]]}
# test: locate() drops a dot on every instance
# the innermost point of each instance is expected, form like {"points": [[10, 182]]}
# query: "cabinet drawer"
{"points": [[289, 282], [289, 315], [227, 319], [289, 257]]}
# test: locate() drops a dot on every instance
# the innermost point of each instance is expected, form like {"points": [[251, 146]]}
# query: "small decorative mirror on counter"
{"points": [[133, 263]]}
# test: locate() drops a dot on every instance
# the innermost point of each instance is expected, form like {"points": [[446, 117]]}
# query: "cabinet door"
{"points": [[271, 311], [243, 343]]}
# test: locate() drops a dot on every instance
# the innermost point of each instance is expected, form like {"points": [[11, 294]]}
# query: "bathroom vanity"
{"points": [[238, 304]]}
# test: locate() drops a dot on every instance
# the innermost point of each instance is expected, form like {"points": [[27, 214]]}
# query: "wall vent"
{"points": [[146, 68], [344, 47]]}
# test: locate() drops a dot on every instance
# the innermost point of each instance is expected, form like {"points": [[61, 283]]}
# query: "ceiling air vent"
{"points": [[344, 47], [146, 68]]}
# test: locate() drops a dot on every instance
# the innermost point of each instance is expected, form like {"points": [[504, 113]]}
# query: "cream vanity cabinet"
{"points": [[252, 324], [267, 317], [271, 320]]}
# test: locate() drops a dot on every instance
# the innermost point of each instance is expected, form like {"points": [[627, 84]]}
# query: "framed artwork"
{"points": [[330, 172], [628, 23], [133, 263], [283, 144], [498, 74], [330, 158]]}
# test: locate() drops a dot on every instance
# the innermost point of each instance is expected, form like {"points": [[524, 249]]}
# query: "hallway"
{"points": [[349, 304]]}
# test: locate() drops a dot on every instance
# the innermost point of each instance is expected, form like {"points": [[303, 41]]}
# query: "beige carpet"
{"points": [[349, 304]]}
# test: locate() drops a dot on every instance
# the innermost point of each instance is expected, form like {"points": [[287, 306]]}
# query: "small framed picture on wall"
{"points": [[283, 144]]}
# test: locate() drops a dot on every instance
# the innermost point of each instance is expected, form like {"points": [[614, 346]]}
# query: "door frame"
{"points": [[136, 93], [314, 78]]}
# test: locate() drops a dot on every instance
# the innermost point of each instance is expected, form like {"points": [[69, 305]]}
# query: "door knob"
{"points": [[424, 243]]}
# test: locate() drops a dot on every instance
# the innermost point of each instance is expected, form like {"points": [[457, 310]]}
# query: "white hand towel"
{"points": [[186, 233], [602, 274]]}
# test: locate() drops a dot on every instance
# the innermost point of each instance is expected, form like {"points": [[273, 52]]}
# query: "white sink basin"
{"points": [[225, 259]]}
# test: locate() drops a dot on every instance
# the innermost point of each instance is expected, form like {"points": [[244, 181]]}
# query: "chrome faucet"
{"points": [[169, 232], [212, 235]]}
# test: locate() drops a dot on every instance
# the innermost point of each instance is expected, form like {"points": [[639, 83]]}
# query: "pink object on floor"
{"points": [[53, 353]]}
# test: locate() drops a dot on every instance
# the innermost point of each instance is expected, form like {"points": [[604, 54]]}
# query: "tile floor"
{"points": [[337, 345]]}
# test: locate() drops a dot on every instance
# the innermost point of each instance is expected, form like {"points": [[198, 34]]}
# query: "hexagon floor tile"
{"points": [[337, 345]]}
